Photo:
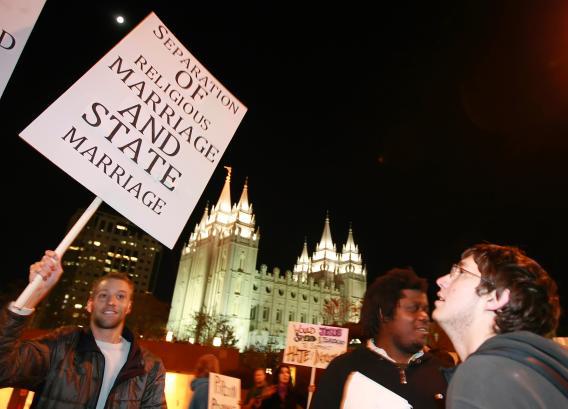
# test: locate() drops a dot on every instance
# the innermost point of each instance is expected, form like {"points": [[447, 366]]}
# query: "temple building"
{"points": [[218, 275]]}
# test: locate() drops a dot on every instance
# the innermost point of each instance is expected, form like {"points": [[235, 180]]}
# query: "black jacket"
{"points": [[425, 383], [65, 369]]}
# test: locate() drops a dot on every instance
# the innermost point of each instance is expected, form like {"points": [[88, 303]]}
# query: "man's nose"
{"points": [[443, 281], [423, 315]]}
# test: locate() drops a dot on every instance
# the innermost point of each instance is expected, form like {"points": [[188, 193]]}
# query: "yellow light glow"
{"points": [[178, 392]]}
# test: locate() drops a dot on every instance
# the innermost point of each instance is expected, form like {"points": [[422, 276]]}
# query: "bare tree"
{"points": [[338, 311], [206, 328]]}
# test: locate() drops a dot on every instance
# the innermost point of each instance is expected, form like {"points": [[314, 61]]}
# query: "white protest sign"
{"points": [[143, 129], [314, 345], [224, 392], [361, 392], [17, 19]]}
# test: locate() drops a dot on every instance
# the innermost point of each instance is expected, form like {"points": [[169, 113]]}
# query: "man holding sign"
{"points": [[97, 367], [390, 370]]}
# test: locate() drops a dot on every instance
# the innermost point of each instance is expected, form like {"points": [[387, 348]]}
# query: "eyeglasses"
{"points": [[457, 270]]}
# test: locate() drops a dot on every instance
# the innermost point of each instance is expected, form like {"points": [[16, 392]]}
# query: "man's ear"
{"points": [[129, 309], [90, 305], [495, 303]]}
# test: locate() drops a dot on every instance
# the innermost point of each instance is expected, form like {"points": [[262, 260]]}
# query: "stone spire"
{"points": [[326, 242], [303, 265], [325, 258], [243, 201], [224, 202], [350, 260]]}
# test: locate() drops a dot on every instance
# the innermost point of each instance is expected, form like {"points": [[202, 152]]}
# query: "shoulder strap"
{"points": [[547, 371]]}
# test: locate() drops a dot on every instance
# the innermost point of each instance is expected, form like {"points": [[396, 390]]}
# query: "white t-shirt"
{"points": [[115, 358]]}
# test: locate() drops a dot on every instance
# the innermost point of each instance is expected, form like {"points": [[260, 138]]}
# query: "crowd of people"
{"points": [[499, 308]]}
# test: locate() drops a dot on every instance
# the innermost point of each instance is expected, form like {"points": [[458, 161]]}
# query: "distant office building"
{"points": [[217, 274], [108, 243]]}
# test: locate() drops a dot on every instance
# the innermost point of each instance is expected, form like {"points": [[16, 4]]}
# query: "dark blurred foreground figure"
{"points": [[395, 322], [97, 367], [498, 306], [200, 384], [259, 390], [282, 395]]}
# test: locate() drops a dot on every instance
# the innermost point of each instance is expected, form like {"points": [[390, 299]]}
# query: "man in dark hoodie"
{"points": [[395, 322], [498, 306]]}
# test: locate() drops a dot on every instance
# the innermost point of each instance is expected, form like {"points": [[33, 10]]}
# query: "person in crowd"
{"points": [[259, 390], [200, 384], [101, 366], [282, 395], [499, 308], [395, 323]]}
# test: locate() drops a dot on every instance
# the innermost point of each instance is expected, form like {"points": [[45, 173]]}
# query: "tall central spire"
{"points": [[326, 242], [224, 202]]}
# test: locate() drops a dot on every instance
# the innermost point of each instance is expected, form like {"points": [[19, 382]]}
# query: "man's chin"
{"points": [[107, 324], [414, 347]]}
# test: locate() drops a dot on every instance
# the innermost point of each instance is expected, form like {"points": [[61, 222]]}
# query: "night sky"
{"points": [[428, 127]]}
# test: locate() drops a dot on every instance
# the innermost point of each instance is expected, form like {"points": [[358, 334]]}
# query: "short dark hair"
{"points": [[259, 368], [533, 301], [382, 297], [113, 276]]}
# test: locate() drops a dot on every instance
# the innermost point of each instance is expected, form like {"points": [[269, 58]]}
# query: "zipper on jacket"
{"points": [[402, 375], [101, 379]]}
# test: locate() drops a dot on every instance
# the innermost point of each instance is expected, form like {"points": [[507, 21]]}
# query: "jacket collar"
{"points": [[378, 350], [134, 365]]}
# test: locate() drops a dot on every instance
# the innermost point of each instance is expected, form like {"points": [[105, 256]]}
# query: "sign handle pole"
{"points": [[312, 380], [60, 250]]}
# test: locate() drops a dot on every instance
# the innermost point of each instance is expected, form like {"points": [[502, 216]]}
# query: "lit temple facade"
{"points": [[217, 274]]}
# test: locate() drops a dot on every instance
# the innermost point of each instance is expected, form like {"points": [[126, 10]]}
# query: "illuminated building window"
{"points": [[265, 313]]}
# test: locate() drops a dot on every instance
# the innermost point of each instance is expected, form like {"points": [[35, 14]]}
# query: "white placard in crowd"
{"points": [[224, 392], [361, 392], [17, 19], [143, 129], [314, 345]]}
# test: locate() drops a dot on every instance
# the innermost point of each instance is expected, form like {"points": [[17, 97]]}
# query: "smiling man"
{"points": [[395, 322], [98, 367], [498, 306]]}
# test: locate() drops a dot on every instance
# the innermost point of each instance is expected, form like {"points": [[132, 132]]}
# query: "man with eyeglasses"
{"points": [[499, 307]]}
